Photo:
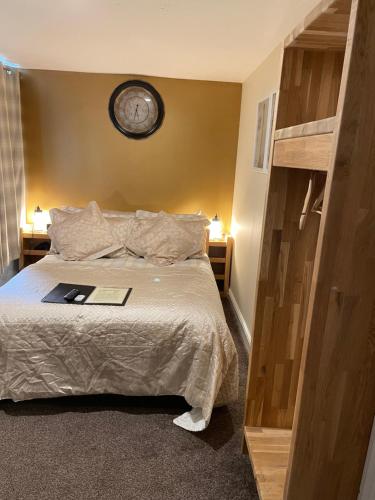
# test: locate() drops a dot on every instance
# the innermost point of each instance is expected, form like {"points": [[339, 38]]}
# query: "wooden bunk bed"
{"points": [[310, 396]]}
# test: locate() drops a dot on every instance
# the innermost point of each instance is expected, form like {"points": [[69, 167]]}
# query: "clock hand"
{"points": [[136, 111]]}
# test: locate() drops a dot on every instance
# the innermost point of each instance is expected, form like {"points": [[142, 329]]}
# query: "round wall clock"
{"points": [[136, 109]]}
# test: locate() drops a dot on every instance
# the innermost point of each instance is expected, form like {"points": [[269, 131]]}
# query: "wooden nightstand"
{"points": [[220, 255], [34, 246]]}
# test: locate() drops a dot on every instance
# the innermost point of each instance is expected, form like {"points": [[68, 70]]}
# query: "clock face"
{"points": [[136, 109]]}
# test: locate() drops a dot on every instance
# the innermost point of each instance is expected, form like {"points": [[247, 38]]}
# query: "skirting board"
{"points": [[244, 330]]}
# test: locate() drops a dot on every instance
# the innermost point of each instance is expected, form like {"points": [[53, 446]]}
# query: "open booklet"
{"points": [[108, 296], [68, 293]]}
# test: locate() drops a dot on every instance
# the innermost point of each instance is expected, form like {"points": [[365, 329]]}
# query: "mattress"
{"points": [[171, 337]]}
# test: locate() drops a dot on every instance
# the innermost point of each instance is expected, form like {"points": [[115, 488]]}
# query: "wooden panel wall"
{"points": [[337, 397], [310, 86], [283, 291]]}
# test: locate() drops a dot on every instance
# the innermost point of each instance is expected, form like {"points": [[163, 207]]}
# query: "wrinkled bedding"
{"points": [[171, 338]]}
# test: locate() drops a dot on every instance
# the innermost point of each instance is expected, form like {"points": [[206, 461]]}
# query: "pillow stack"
{"points": [[165, 238], [84, 235], [161, 238]]}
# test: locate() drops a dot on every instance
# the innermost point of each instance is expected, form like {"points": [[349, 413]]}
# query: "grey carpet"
{"points": [[111, 447]]}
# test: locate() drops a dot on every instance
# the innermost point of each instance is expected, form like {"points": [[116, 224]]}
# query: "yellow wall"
{"points": [[73, 153], [250, 190]]}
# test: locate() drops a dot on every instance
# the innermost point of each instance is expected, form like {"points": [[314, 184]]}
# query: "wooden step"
{"points": [[311, 152], [325, 126], [269, 454]]}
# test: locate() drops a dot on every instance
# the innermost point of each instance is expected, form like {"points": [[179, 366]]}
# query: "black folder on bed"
{"points": [[56, 296]]}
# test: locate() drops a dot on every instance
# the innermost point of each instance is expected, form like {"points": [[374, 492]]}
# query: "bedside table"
{"points": [[30, 247], [220, 255]]}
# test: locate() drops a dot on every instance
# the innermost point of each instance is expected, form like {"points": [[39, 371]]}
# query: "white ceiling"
{"points": [[200, 39]]}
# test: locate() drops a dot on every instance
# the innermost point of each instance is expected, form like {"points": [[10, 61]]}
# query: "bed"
{"points": [[171, 337]]}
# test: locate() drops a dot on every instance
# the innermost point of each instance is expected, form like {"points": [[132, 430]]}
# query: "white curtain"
{"points": [[12, 176]]}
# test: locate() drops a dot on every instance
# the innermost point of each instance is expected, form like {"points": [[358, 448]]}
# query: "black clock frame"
{"points": [[155, 94]]}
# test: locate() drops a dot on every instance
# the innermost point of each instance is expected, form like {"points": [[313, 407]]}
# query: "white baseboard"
{"points": [[244, 330]]}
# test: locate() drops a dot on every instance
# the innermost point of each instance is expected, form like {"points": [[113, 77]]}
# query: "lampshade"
{"points": [[216, 229], [40, 220]]}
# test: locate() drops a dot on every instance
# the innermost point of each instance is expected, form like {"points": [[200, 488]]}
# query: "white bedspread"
{"points": [[171, 338]]}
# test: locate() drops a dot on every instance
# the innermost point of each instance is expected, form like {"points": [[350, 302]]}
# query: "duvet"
{"points": [[171, 337]]}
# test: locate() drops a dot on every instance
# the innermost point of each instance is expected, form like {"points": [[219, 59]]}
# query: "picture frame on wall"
{"points": [[265, 117]]}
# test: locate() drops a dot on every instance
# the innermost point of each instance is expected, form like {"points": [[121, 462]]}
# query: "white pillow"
{"points": [[84, 235], [164, 239]]}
